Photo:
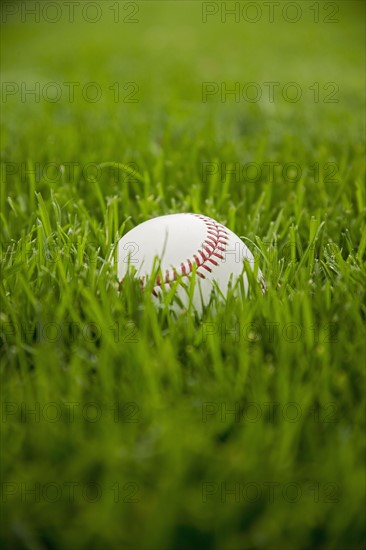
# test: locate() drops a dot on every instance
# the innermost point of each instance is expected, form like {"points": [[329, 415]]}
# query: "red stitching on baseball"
{"points": [[216, 240]]}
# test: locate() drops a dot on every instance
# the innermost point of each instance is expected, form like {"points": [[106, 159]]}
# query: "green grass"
{"points": [[150, 418]]}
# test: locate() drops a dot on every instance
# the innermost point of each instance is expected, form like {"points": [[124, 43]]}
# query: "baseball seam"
{"points": [[205, 258]]}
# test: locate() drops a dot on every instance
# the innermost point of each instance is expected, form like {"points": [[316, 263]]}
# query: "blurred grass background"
{"points": [[170, 372]]}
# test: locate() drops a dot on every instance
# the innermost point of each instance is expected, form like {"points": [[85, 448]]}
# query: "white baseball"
{"points": [[183, 242]]}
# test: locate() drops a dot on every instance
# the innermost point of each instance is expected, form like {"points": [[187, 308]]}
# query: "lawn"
{"points": [[124, 426]]}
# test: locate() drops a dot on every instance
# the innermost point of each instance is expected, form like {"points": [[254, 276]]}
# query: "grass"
{"points": [[123, 427]]}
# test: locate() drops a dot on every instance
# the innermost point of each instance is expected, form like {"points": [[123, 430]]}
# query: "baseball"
{"points": [[180, 245]]}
